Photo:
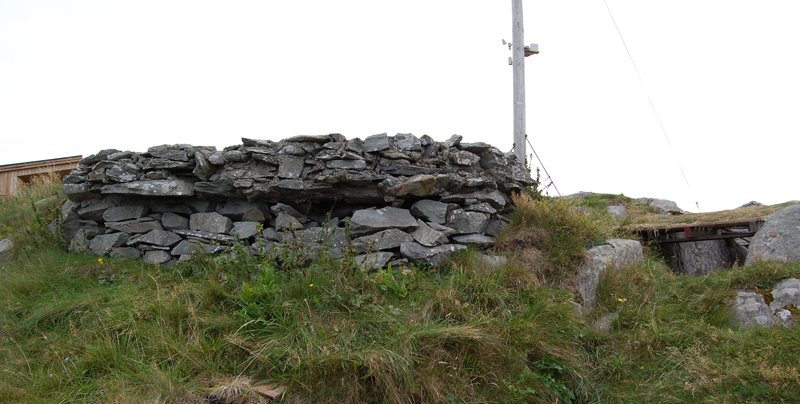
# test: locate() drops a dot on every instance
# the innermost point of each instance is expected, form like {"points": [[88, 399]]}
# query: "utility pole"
{"points": [[518, 60], [518, 54]]}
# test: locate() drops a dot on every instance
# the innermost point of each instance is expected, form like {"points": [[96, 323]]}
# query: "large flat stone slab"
{"points": [[211, 222], [617, 254], [433, 256], [382, 240], [369, 221], [150, 188]]}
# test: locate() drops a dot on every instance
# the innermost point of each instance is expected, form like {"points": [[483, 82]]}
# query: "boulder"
{"points": [[750, 310], [369, 221], [150, 188], [476, 240], [156, 257], [432, 256], [427, 236], [103, 244], [171, 221], [373, 261], [245, 229], [617, 211], [210, 222], [430, 210], [786, 293], [699, 258], [778, 239], [382, 240], [120, 213], [662, 206], [617, 254], [464, 222]]}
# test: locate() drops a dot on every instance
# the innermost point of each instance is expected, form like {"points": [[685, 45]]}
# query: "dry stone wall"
{"points": [[392, 198]]}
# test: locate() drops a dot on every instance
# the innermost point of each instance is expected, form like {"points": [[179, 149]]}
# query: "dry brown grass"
{"points": [[641, 220]]}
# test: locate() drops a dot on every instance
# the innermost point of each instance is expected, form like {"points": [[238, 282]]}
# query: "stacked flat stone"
{"points": [[405, 198]]}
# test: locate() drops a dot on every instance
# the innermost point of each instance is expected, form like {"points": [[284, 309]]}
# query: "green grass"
{"points": [[120, 331]]}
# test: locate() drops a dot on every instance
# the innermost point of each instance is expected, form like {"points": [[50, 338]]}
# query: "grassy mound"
{"points": [[80, 328]]}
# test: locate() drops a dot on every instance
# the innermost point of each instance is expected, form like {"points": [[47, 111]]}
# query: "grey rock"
{"points": [[698, 258], [254, 215], [784, 317], [169, 152], [433, 256], [120, 213], [617, 211], [236, 208], [79, 192], [476, 240], [150, 188], [477, 148], [441, 228], [376, 143], [778, 239], [245, 229], [125, 252], [662, 206], [418, 185], [218, 188], [495, 227], [286, 222], [156, 257], [492, 160], [216, 159], [370, 221], [750, 204], [786, 293], [373, 261], [407, 142], [123, 172], [293, 150], [79, 242], [494, 198], [102, 244], [210, 222], [272, 235], [291, 167], [617, 254], [464, 222], [481, 207], [454, 141], [347, 164], [750, 310], [427, 236], [234, 156], [205, 235], [135, 226], [464, 158], [335, 137], [279, 208], [94, 211], [160, 238], [171, 221], [6, 247], [430, 210], [157, 175], [382, 240], [203, 169]]}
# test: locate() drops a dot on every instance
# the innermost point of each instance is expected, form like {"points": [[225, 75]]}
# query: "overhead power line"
{"points": [[664, 131]]}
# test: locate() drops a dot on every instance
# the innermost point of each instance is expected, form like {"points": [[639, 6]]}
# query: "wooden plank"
{"points": [[705, 238]]}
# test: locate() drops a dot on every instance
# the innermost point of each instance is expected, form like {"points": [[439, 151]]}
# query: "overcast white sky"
{"points": [[80, 76]]}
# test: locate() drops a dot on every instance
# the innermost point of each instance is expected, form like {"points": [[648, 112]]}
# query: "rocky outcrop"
{"points": [[778, 239], [397, 197], [617, 254], [750, 309], [702, 257], [662, 206]]}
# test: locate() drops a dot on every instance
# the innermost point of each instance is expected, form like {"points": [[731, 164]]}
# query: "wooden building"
{"points": [[11, 175]]}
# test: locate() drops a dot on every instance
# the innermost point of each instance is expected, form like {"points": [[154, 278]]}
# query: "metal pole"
{"points": [[518, 61]]}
